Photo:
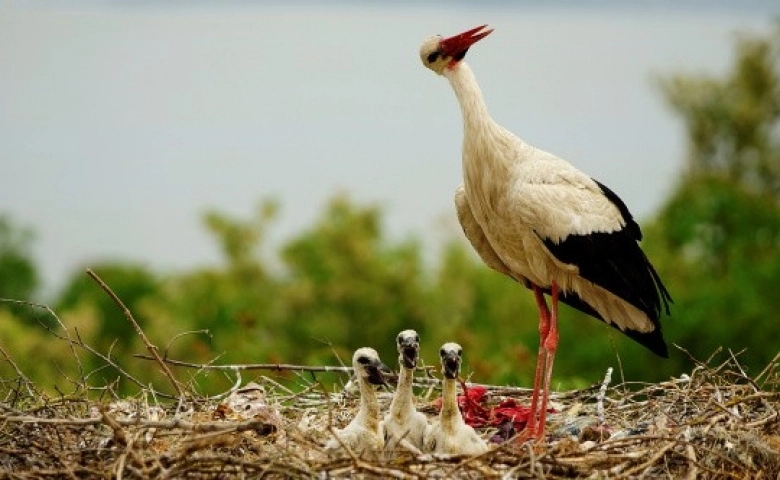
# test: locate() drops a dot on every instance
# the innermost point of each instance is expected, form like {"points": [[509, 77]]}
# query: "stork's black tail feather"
{"points": [[653, 340], [614, 261]]}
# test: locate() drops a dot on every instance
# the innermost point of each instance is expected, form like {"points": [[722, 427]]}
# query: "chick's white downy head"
{"points": [[368, 367], [451, 355], [408, 343]]}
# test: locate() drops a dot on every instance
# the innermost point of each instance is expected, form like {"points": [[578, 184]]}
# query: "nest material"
{"points": [[715, 423]]}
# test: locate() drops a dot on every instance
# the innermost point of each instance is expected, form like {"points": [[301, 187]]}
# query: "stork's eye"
{"points": [[364, 360], [417, 338], [442, 353], [460, 353], [433, 56]]}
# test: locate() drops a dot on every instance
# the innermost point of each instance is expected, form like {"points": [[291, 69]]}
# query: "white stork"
{"points": [[403, 425], [542, 222], [451, 434], [364, 434]]}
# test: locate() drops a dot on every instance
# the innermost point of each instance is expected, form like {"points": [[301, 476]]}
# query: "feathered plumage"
{"points": [[537, 219]]}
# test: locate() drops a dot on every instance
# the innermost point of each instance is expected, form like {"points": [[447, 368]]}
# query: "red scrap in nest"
{"points": [[475, 413]]}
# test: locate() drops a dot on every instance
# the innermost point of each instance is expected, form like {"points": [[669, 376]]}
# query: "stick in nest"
{"points": [[149, 345], [29, 385], [276, 367]]}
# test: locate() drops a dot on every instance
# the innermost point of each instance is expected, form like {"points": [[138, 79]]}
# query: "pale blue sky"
{"points": [[120, 122]]}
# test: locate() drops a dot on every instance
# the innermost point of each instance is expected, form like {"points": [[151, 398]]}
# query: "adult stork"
{"points": [[542, 222]]}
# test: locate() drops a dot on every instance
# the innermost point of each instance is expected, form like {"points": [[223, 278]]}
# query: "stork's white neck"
{"points": [[368, 414], [472, 105], [489, 150], [451, 418], [401, 407]]}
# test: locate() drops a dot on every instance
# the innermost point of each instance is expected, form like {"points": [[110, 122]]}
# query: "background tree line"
{"points": [[341, 283]]}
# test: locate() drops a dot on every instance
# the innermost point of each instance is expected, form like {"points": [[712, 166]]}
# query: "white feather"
{"points": [[515, 195]]}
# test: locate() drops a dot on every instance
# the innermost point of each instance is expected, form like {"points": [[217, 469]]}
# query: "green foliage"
{"points": [[732, 122], [721, 246], [47, 363], [132, 283], [345, 286], [18, 276], [97, 320], [236, 303], [718, 237], [491, 316]]}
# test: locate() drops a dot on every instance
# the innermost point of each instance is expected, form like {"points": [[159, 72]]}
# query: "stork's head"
{"points": [[451, 354], [408, 343], [368, 367], [438, 53]]}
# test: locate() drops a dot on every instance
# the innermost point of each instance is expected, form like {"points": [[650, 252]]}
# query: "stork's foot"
{"points": [[528, 442], [595, 433]]}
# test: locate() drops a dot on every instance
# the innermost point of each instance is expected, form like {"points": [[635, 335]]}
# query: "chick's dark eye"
{"points": [[433, 57], [442, 353], [363, 360]]}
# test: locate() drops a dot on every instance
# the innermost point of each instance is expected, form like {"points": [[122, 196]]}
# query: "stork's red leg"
{"points": [[550, 347], [544, 329]]}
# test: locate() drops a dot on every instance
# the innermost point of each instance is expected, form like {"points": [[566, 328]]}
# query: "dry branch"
{"points": [[275, 367], [149, 345]]}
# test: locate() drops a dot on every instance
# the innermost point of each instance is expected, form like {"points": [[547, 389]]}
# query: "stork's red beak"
{"points": [[457, 45]]}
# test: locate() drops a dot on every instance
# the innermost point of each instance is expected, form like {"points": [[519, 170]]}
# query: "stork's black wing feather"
{"points": [[653, 340], [631, 225], [615, 262]]}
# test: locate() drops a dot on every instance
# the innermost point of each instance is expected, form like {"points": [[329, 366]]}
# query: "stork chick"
{"points": [[363, 434], [403, 425], [451, 434]]}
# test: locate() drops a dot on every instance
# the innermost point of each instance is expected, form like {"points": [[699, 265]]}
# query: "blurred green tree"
{"points": [[236, 301], [18, 274], [732, 122], [132, 283], [347, 286], [718, 236]]}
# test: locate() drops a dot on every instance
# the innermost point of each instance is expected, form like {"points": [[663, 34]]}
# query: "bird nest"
{"points": [[716, 422]]}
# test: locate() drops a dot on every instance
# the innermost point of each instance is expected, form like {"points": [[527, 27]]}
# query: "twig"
{"points": [[113, 422], [29, 385], [693, 470], [236, 386], [57, 318], [80, 343], [149, 346], [276, 367], [112, 363], [769, 367], [119, 433], [602, 394], [204, 331]]}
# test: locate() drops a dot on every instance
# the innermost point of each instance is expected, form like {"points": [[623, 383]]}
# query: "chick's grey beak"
{"points": [[451, 364], [375, 375], [409, 354]]}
